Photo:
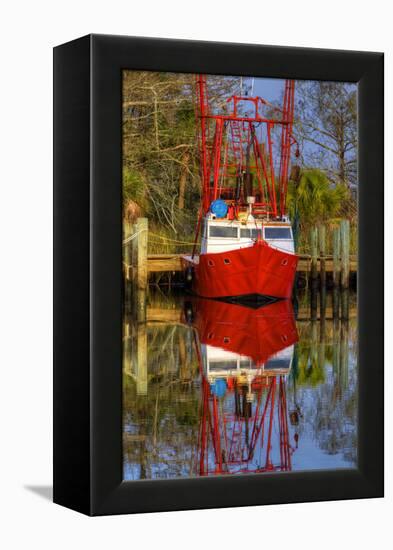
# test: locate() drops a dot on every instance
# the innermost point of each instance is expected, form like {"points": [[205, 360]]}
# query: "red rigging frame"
{"points": [[242, 440], [238, 144]]}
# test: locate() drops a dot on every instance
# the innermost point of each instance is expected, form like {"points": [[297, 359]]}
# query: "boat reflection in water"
{"points": [[211, 388], [244, 356]]}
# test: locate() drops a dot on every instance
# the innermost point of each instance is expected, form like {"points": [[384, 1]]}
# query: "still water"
{"points": [[211, 388]]}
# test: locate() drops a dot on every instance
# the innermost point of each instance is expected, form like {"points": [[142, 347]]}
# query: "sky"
{"points": [[268, 88], [272, 90]]}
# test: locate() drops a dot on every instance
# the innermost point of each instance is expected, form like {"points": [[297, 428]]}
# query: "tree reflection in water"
{"points": [[205, 385]]}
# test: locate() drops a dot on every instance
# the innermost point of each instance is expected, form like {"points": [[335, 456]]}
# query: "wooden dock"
{"points": [[171, 263], [141, 269]]}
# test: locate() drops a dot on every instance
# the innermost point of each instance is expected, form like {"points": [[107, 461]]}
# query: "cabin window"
{"points": [[250, 233], [227, 261], [279, 233], [210, 263], [223, 232], [215, 365], [277, 364]]}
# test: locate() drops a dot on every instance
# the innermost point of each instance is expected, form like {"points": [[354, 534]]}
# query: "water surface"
{"points": [[219, 389]]}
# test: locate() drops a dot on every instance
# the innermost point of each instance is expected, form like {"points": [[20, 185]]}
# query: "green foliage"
{"points": [[160, 154], [310, 373], [133, 186], [314, 199]]}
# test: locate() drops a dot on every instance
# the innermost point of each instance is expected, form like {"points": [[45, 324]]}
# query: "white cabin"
{"points": [[222, 235]]}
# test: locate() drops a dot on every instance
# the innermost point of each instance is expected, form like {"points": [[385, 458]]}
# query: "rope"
{"points": [[169, 243], [132, 237], [169, 240]]}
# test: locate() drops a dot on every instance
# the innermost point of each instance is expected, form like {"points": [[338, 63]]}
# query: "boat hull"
{"points": [[258, 270]]}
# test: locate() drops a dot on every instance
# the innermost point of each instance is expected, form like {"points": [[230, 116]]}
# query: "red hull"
{"points": [[258, 269]]}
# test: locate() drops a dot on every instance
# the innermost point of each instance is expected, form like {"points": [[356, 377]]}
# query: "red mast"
{"points": [[287, 141], [202, 112]]}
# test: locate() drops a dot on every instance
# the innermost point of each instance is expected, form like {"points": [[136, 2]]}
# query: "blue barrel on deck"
{"points": [[219, 208], [219, 387]]}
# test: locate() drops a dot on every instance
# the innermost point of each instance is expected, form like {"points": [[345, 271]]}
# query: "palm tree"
{"points": [[313, 199]]}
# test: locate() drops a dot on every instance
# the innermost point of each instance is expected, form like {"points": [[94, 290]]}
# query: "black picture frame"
{"points": [[88, 274]]}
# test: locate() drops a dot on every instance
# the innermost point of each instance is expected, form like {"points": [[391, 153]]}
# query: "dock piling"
{"points": [[336, 257], [142, 233], [141, 359], [314, 255], [336, 303], [127, 249], [344, 237], [345, 304], [344, 354], [322, 255]]}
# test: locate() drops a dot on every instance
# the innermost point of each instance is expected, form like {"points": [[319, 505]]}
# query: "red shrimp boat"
{"points": [[247, 246]]}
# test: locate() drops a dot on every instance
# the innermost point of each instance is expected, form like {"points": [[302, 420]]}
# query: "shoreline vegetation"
{"points": [[161, 179]]}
